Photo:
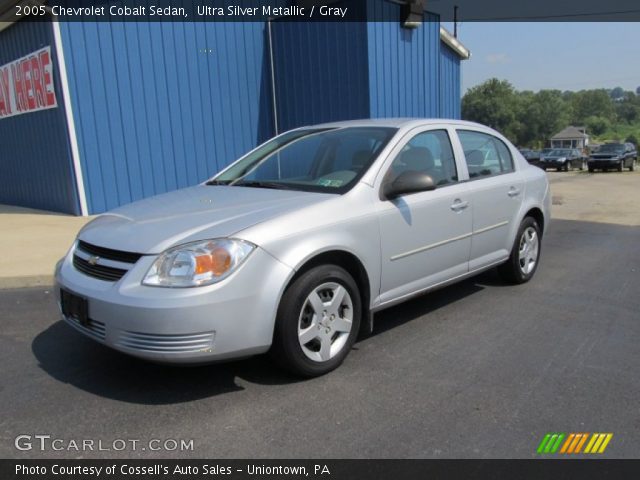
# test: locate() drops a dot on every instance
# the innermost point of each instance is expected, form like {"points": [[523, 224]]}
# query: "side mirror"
{"points": [[406, 183]]}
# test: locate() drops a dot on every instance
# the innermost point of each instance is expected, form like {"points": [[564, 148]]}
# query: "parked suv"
{"points": [[614, 155]]}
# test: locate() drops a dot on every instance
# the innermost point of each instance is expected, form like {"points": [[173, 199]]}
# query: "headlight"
{"points": [[562, 159], [199, 263]]}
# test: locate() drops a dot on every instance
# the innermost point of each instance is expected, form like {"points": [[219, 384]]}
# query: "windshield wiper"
{"points": [[259, 184], [218, 182]]}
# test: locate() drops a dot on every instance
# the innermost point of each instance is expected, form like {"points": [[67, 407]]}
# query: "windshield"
{"points": [[611, 147], [318, 160], [559, 153]]}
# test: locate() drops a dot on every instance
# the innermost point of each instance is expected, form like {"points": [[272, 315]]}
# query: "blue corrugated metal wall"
{"points": [[35, 157], [403, 65], [449, 83], [160, 106], [320, 72], [341, 71]]}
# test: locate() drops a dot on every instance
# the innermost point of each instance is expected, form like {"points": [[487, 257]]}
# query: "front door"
{"points": [[425, 236]]}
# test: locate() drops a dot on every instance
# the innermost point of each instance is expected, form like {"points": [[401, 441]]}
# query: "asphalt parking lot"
{"points": [[478, 369]]}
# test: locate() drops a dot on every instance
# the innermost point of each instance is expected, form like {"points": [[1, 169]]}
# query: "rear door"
{"points": [[496, 190]]}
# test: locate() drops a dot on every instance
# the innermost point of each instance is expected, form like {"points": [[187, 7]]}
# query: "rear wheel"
{"points": [[525, 253], [318, 321]]}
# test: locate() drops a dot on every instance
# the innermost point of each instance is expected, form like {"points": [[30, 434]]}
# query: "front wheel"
{"points": [[525, 253], [317, 322], [568, 166], [620, 165]]}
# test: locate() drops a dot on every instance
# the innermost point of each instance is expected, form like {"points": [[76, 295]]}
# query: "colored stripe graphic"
{"points": [[581, 443], [598, 442], [568, 442], [550, 443], [572, 443]]}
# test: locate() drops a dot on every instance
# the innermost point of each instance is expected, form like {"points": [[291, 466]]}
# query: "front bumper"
{"points": [[604, 162], [550, 164], [231, 319]]}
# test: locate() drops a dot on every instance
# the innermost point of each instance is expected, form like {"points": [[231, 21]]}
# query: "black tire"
{"points": [[591, 169], [620, 165], [286, 349], [567, 166], [511, 270]]}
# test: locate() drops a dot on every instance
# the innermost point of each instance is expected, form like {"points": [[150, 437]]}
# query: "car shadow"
{"points": [[71, 358], [429, 302]]}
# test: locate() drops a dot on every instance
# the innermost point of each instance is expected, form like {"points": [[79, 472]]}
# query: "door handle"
{"points": [[513, 192], [458, 205]]}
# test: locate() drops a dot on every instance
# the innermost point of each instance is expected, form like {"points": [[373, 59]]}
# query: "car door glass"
{"points": [[485, 154], [428, 152]]}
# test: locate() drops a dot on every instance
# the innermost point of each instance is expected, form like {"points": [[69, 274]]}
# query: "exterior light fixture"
{"points": [[412, 13]]}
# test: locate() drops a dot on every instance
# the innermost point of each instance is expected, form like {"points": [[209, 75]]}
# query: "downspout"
{"points": [[71, 126], [273, 79]]}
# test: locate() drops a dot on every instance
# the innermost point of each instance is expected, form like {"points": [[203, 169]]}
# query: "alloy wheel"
{"points": [[325, 321], [528, 250]]}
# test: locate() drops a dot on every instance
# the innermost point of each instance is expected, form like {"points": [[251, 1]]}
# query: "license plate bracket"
{"points": [[74, 306]]}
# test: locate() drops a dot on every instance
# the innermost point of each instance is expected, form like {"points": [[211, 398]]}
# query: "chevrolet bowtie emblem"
{"points": [[93, 260]]}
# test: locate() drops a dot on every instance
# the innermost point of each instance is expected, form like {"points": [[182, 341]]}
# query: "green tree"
{"points": [[617, 93], [553, 113], [591, 103], [493, 103], [597, 125]]}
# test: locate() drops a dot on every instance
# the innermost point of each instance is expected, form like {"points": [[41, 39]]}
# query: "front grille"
{"points": [[93, 328], [102, 267], [199, 342], [101, 272], [109, 254]]}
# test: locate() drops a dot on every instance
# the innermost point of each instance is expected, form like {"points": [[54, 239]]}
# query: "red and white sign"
{"points": [[26, 84]]}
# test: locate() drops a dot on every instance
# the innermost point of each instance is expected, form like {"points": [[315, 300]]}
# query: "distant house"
{"points": [[570, 137]]}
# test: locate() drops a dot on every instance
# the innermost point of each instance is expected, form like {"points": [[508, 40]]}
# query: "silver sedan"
{"points": [[293, 247]]}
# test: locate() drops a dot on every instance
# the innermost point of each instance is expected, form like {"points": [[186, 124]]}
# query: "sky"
{"points": [[556, 55]]}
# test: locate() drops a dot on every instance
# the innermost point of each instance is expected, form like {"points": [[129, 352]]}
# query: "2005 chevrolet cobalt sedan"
{"points": [[292, 248]]}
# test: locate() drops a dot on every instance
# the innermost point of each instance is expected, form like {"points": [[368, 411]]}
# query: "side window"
{"points": [[485, 154], [428, 152]]}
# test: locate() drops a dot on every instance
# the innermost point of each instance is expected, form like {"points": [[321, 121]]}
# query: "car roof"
{"points": [[396, 123]]}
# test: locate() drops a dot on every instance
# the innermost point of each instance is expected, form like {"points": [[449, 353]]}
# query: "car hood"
{"points": [[154, 224]]}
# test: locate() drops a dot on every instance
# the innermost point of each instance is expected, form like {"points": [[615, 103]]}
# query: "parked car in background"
{"points": [[532, 156], [545, 151], [563, 159], [613, 156], [294, 246]]}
